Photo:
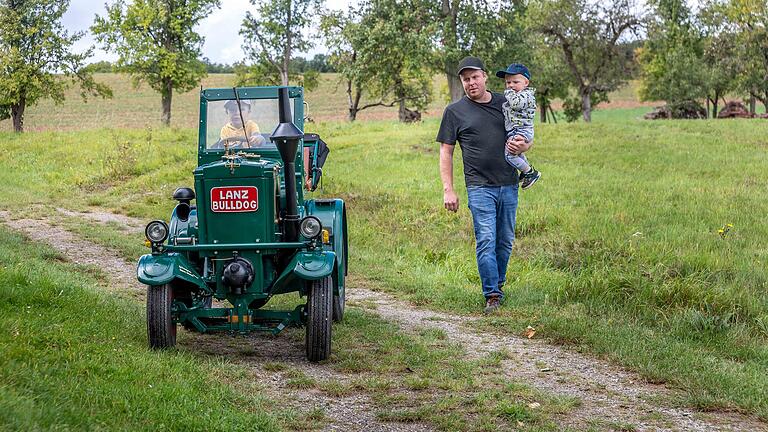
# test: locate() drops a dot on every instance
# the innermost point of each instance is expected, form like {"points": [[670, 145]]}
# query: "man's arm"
{"points": [[450, 199], [517, 145]]}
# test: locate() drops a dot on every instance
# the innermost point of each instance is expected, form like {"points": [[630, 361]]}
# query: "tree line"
{"points": [[388, 51], [298, 64]]}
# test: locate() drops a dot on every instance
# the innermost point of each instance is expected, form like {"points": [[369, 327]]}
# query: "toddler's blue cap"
{"points": [[514, 69]]}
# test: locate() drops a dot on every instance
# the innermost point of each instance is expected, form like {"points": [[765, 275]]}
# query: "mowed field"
{"points": [[139, 107], [644, 244]]}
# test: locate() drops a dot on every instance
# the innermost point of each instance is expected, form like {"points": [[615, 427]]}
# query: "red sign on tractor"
{"points": [[231, 199]]}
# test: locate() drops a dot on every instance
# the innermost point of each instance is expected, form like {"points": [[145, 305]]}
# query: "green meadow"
{"points": [[644, 242]]}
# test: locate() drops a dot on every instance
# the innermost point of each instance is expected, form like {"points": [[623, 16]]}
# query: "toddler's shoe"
{"points": [[528, 179]]}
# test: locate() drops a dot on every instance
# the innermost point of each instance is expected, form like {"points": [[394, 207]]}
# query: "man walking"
{"points": [[476, 122]]}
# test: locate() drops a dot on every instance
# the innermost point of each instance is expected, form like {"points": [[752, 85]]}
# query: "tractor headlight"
{"points": [[310, 227], [156, 231]]}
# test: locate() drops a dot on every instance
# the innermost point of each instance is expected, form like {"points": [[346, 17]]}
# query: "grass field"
{"points": [[619, 250], [140, 107]]}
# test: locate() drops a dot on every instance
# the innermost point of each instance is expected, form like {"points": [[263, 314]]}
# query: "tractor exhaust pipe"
{"points": [[286, 137]]}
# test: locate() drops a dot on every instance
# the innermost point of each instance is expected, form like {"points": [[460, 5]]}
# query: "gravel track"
{"points": [[609, 395], [354, 412]]}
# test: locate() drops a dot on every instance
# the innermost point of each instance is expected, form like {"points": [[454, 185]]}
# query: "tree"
{"points": [[343, 36], [264, 74], [36, 58], [587, 35], [277, 33], [551, 78], [217, 68], [346, 40], [384, 52], [320, 63], [156, 43], [398, 51], [747, 23], [101, 67], [672, 58], [720, 67], [489, 29]]}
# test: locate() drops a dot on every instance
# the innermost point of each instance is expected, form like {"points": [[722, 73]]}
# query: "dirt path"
{"points": [[610, 396], [354, 412]]}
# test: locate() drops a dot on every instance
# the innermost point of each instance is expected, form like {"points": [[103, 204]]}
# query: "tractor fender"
{"points": [[306, 266], [333, 215], [162, 269], [313, 265]]}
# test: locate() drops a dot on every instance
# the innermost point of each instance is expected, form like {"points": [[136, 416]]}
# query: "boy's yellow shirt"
{"points": [[230, 131]]}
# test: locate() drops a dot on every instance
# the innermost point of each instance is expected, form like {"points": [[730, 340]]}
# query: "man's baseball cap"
{"points": [[471, 63], [514, 69], [232, 104]]}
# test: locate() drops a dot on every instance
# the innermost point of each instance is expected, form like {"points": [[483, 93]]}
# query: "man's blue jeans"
{"points": [[493, 215]]}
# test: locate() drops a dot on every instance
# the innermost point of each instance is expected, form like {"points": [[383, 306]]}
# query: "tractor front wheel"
{"points": [[338, 306], [161, 330], [319, 319]]}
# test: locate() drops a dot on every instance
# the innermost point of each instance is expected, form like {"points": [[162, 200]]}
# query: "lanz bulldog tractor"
{"points": [[252, 234]]}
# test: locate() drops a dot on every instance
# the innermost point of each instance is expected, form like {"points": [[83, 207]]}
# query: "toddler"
{"points": [[519, 110]]}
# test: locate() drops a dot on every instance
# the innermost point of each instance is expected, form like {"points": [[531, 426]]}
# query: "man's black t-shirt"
{"points": [[479, 129]]}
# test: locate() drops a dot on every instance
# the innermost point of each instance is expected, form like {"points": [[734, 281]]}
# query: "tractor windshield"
{"points": [[249, 127]]}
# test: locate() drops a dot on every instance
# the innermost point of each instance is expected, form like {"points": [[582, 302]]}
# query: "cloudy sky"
{"points": [[222, 43]]}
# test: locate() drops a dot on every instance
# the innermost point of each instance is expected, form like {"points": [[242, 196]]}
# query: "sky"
{"points": [[222, 41]]}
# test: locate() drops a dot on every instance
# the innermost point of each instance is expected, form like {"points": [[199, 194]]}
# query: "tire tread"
{"points": [[319, 320], [161, 330]]}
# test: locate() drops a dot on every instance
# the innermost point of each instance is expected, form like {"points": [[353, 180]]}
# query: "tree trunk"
{"points": [[552, 114], [17, 114], [714, 104], [284, 76], [401, 112], [354, 100], [764, 101], [708, 99], [586, 105], [752, 104], [399, 92], [449, 12], [455, 88], [167, 95], [544, 104]]}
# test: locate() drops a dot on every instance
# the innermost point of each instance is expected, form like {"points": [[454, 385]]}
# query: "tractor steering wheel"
{"points": [[232, 143], [256, 141]]}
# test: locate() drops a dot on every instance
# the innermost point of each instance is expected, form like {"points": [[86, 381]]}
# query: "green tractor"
{"points": [[250, 234]]}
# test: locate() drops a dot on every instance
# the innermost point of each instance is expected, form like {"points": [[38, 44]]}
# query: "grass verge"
{"points": [[74, 358]]}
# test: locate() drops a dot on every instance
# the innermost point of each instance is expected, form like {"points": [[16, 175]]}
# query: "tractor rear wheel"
{"points": [[161, 330], [339, 302], [319, 319]]}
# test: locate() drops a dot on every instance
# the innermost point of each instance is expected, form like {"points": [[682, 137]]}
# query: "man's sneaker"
{"points": [[528, 179], [493, 303]]}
